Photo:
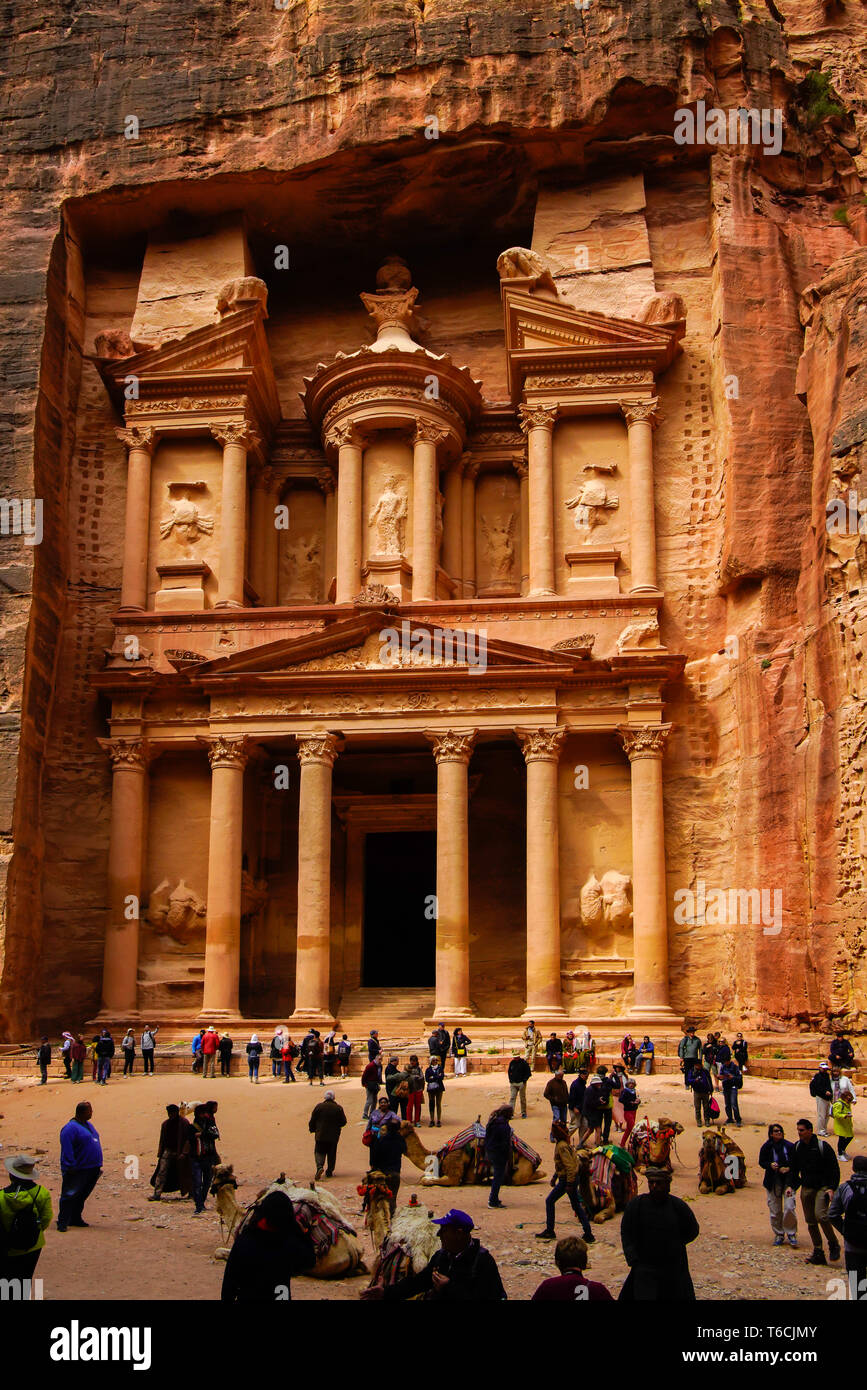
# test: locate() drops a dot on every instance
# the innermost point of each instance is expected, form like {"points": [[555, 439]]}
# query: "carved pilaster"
{"points": [[452, 746], [318, 748], [531, 417], [541, 745], [646, 741]]}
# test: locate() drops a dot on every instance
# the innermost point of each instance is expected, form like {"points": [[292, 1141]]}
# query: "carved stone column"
{"points": [[452, 524], [236, 439], [140, 444], [349, 444], [644, 748], [537, 422], [327, 484], [424, 509], [258, 524], [129, 792], [641, 420], [271, 578], [316, 753], [228, 755], [468, 526], [541, 749], [523, 473], [452, 751]]}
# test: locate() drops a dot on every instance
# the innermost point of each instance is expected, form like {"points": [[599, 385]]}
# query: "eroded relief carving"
{"points": [[388, 517], [302, 568], [607, 901], [184, 522], [500, 546], [178, 912], [641, 634], [591, 499]]}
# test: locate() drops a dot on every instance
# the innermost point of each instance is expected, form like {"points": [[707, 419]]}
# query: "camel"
{"points": [[652, 1144], [460, 1167], [339, 1251], [376, 1191], [408, 1246], [604, 1188], [722, 1166]]}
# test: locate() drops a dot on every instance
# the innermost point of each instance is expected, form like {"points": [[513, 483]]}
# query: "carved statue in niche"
{"points": [[301, 568], [592, 498], [388, 518], [184, 522], [179, 914], [607, 901], [500, 546]]}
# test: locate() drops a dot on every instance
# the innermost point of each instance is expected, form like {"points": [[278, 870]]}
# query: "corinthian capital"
{"points": [[240, 432], [226, 750], [426, 432], [137, 437], [452, 746], [340, 435], [127, 752], [541, 745], [318, 748], [637, 412], [533, 417], [648, 741]]}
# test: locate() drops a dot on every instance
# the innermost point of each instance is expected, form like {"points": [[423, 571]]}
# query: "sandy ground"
{"points": [[138, 1250]]}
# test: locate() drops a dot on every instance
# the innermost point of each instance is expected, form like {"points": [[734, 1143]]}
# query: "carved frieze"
{"points": [[183, 405]]}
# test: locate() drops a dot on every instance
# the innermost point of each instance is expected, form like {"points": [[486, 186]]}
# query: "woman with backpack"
{"points": [[275, 1052], [289, 1053], [25, 1215], [254, 1052]]}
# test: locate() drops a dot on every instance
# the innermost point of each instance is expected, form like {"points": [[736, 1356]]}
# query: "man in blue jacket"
{"points": [[80, 1165]]}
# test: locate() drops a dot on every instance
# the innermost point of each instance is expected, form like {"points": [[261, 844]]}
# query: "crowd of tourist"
{"points": [[595, 1107]]}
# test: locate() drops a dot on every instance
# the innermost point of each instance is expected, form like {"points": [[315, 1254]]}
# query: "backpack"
{"points": [[714, 1108], [23, 1231], [855, 1218]]}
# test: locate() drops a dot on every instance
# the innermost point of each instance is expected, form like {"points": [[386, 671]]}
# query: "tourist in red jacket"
{"points": [[210, 1043]]}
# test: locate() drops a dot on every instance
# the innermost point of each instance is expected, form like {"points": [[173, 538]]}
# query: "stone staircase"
{"points": [[397, 1014]]}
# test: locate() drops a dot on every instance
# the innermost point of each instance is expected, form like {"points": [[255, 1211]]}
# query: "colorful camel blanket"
{"points": [[476, 1132], [323, 1229], [605, 1169]]}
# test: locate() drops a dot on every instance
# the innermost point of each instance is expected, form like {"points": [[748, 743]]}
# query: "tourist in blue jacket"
{"points": [[80, 1165]]}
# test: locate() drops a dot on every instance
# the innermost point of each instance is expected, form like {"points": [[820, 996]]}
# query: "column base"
{"points": [[645, 589], [542, 593], [546, 1013], [313, 1016], [228, 603], [654, 1013], [446, 1011]]}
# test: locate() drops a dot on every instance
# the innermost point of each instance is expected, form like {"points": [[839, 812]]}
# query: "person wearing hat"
{"points": [[173, 1172], [655, 1230], [80, 1164], [689, 1052], [65, 1047], [25, 1212], [461, 1271], [841, 1111], [823, 1093]]}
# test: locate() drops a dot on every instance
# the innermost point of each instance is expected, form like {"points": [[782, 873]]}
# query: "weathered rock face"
{"points": [[554, 129]]}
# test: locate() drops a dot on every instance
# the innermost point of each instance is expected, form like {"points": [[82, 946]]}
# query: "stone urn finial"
{"points": [[242, 294], [392, 308]]}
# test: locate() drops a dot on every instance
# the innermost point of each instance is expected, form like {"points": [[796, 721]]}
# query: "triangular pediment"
{"points": [[377, 642], [231, 355], [546, 335]]}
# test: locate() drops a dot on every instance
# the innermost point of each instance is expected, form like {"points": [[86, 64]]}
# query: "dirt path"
{"points": [[137, 1250]]}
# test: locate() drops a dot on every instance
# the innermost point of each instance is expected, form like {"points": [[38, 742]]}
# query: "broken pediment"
{"points": [[551, 345]]}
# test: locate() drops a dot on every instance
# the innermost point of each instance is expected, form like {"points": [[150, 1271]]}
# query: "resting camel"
{"points": [[407, 1247], [341, 1257], [652, 1144], [722, 1165], [604, 1189], [460, 1168]]}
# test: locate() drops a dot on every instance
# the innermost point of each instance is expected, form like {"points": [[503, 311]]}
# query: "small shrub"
{"points": [[841, 215], [819, 106]]}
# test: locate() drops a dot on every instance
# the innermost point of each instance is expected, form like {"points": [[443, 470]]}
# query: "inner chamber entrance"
{"points": [[399, 886]]}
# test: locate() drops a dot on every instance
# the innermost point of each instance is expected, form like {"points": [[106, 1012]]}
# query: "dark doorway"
{"points": [[399, 884]]}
